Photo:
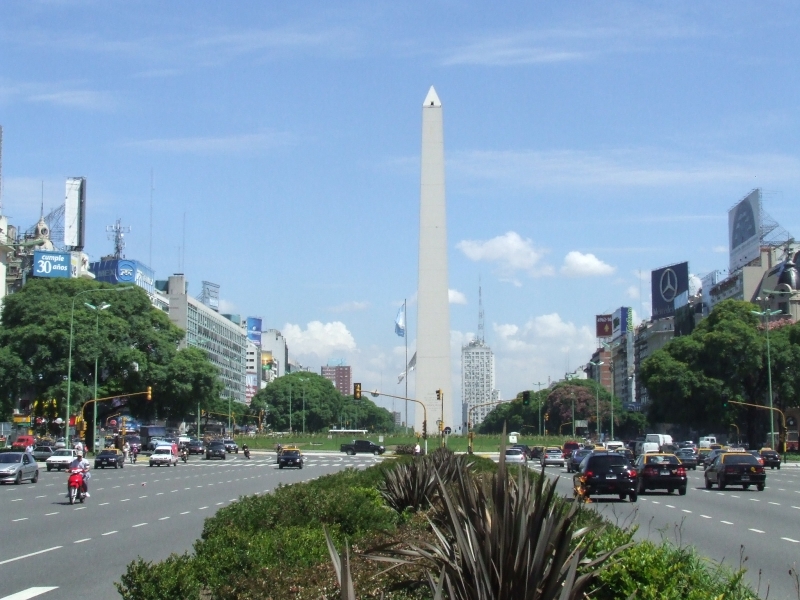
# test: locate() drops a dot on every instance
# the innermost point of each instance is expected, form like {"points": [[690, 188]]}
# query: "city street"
{"points": [[54, 550], [718, 524]]}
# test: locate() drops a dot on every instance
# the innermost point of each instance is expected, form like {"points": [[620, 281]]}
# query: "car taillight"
{"points": [[632, 472], [589, 474], [680, 472], [759, 469], [649, 471], [730, 469]]}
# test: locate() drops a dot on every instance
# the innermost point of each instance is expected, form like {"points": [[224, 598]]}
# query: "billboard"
{"points": [[75, 213], [603, 325], [744, 230], [621, 321], [667, 284], [52, 264], [250, 386], [123, 270], [254, 330]]}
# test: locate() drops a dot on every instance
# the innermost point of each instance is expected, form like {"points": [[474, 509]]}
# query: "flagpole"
{"points": [[405, 322]]}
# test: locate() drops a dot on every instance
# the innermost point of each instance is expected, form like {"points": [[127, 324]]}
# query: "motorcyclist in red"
{"points": [[83, 465]]}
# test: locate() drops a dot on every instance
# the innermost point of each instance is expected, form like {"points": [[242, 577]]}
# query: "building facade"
{"points": [[477, 381], [224, 342], [341, 376], [274, 354], [650, 336]]}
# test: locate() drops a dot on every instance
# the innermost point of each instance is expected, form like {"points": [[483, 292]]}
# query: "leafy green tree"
{"points": [[191, 380]]}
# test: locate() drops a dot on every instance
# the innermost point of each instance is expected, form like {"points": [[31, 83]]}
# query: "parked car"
{"points": [[290, 458], [17, 467], [215, 449], [516, 456], [43, 452], [574, 461], [660, 472], [231, 446], [195, 447], [110, 457], [771, 458], [687, 457], [735, 468], [605, 473], [61, 459], [552, 456]]}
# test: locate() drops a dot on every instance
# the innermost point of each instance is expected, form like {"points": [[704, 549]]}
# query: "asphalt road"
{"points": [[53, 550], [763, 526]]}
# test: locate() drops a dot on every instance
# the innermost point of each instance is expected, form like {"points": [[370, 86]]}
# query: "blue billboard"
{"points": [[123, 270], [52, 264], [254, 330]]}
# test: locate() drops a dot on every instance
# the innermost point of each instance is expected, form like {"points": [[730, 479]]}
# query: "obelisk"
{"points": [[433, 306]]}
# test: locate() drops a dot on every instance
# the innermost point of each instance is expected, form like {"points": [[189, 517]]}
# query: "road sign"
{"points": [[447, 431], [581, 423]]}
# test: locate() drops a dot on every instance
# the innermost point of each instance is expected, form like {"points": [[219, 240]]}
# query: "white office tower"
{"points": [[477, 380], [433, 308]]}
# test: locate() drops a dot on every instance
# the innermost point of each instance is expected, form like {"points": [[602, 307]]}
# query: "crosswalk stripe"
{"points": [[29, 593]]}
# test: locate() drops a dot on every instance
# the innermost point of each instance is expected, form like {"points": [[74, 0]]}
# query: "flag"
{"points": [[411, 364], [400, 321]]}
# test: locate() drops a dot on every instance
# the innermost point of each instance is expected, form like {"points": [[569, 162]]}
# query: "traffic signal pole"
{"points": [[782, 435], [469, 423], [376, 393]]}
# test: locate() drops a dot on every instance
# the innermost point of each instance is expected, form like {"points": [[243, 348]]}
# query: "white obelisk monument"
{"points": [[433, 306]]}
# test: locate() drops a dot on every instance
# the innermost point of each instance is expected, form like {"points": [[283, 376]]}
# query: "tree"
{"points": [[192, 380]]}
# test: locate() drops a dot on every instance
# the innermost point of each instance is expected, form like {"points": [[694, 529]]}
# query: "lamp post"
{"points": [[71, 335], [766, 314], [573, 413], [304, 404], [97, 309], [597, 393], [540, 384]]}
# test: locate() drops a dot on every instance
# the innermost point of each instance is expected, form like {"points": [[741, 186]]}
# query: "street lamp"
{"points": [[71, 335], [97, 309], [766, 315], [611, 367], [573, 413], [539, 394], [304, 404], [597, 393]]}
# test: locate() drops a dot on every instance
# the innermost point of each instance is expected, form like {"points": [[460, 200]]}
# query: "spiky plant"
{"points": [[503, 540]]}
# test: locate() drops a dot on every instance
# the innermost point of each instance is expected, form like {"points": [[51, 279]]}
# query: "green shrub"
{"points": [[172, 578]]}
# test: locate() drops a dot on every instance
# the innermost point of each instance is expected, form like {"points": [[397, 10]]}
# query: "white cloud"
{"points": [[577, 264], [456, 297], [83, 99], [320, 339], [695, 283], [245, 142], [350, 307], [633, 292], [510, 252], [720, 249]]}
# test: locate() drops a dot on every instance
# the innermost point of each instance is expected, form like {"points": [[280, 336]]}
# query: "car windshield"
{"points": [[662, 460], [552, 451], [291, 452], [582, 453], [41, 448], [685, 453], [63, 453], [10, 457], [163, 450], [602, 462], [108, 453], [513, 451], [739, 459], [215, 444]]}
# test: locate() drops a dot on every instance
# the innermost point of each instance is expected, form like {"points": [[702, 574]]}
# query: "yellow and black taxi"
{"points": [[771, 458], [605, 473], [290, 457], [735, 468], [660, 471]]}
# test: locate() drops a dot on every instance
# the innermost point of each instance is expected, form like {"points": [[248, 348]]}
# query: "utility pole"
{"points": [[539, 394]]}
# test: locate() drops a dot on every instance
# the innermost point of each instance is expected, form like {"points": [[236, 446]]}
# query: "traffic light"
{"points": [[526, 398], [546, 416], [149, 393], [438, 394], [357, 391], [425, 430], [441, 426]]}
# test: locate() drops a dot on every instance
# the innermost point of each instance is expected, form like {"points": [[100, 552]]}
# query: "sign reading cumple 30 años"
{"points": [[51, 264]]}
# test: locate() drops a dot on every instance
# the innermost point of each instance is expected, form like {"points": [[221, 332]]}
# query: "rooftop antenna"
{"points": [[480, 313], [116, 233]]}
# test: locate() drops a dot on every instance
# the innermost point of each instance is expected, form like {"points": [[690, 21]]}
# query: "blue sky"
{"points": [[585, 143]]}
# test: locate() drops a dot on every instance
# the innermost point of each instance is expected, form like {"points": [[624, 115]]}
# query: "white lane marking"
{"points": [[160, 494], [110, 532], [705, 516], [220, 503], [797, 507], [755, 530], [163, 518], [202, 508], [126, 500], [29, 593], [686, 511], [102, 504], [726, 522], [24, 556], [754, 500], [669, 506], [791, 540], [81, 541], [732, 496], [139, 525], [49, 484], [99, 489], [173, 491], [140, 497], [40, 497], [17, 500], [115, 487], [21, 519], [80, 508], [656, 502], [186, 512], [51, 514], [775, 503]]}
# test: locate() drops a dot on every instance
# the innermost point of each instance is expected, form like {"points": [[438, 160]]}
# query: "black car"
{"points": [[771, 458], [290, 458], [109, 458], [574, 461], [688, 458], [195, 447], [736, 468], [605, 473], [215, 450], [660, 472]]}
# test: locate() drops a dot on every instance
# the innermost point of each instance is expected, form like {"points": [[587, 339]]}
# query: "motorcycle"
{"points": [[185, 456], [75, 489], [247, 453], [133, 456]]}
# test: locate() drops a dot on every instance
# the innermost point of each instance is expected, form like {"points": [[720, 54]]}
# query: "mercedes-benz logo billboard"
{"points": [[667, 284]]}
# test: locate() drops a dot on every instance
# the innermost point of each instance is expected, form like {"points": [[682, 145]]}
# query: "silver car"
{"points": [[516, 456], [553, 456], [18, 466]]}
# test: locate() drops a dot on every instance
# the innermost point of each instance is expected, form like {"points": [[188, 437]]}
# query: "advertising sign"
{"points": [[51, 264], [621, 321], [254, 330], [603, 325], [667, 283], [75, 213], [122, 270], [744, 230], [250, 386]]}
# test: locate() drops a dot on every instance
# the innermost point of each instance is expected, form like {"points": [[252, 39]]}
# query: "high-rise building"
{"points": [[340, 376], [433, 305], [477, 380], [274, 354]]}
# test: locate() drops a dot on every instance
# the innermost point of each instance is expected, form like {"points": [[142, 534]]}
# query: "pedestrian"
{"points": [[79, 447], [126, 449], [29, 448], [417, 449]]}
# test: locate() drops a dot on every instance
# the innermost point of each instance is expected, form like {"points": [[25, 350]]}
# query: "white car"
{"points": [[163, 455], [61, 459], [553, 456], [516, 456]]}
